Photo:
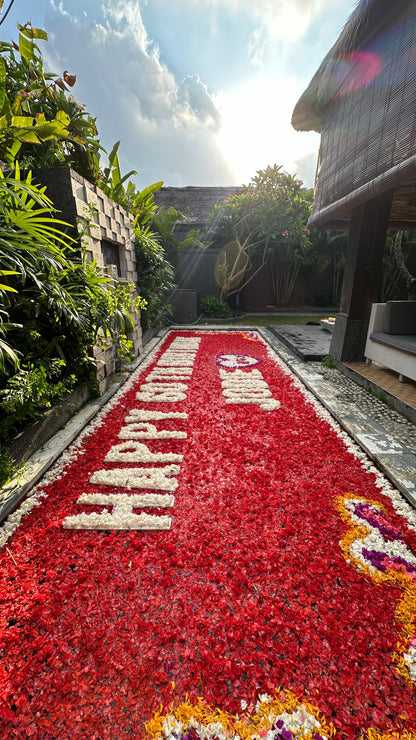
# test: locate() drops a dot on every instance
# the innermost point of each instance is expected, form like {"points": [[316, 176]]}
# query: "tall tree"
{"points": [[267, 218]]}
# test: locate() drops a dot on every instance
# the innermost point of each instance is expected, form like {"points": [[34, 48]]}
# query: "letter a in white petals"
{"points": [[138, 452]]}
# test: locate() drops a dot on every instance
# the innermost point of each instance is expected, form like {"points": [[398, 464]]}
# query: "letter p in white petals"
{"points": [[138, 452], [145, 430], [157, 478]]}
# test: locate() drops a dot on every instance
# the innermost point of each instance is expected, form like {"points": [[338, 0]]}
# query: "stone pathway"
{"points": [[395, 424]]}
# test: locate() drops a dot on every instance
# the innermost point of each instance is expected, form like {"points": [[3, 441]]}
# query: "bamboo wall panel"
{"points": [[369, 127]]}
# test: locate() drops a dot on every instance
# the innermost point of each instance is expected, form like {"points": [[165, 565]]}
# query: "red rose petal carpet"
{"points": [[213, 558]]}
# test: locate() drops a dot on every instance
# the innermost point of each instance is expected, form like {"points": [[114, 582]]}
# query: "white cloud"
{"points": [[194, 103], [286, 20], [59, 7], [126, 20], [305, 167], [178, 130], [281, 22], [256, 47], [172, 126]]}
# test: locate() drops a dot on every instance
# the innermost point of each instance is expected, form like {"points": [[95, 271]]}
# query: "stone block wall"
{"points": [[107, 234], [105, 220]]}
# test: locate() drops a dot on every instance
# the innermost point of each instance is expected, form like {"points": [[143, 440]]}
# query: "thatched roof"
{"points": [[194, 202], [364, 24], [368, 143]]}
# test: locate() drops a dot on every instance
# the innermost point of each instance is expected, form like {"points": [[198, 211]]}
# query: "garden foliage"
{"points": [[268, 219], [54, 303], [213, 308]]}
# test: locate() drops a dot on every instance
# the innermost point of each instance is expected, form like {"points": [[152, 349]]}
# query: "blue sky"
{"points": [[200, 92]]}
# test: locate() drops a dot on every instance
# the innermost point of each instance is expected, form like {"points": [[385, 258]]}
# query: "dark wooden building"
{"points": [[362, 100]]}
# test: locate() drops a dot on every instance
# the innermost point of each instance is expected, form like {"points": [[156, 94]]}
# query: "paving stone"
{"points": [[401, 470], [358, 423], [379, 443], [309, 342]]}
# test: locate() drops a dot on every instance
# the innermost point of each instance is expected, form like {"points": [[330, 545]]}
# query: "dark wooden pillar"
{"points": [[362, 276]]}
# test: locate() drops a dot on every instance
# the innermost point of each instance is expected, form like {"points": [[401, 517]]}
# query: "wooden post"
{"points": [[362, 276]]}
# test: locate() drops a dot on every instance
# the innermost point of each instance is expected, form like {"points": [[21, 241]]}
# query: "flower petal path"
{"points": [[288, 570]]}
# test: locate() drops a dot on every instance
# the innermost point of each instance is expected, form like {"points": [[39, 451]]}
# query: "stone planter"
{"points": [[35, 435]]}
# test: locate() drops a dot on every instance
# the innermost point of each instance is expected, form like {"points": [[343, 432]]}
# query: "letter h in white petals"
{"points": [[122, 515]]}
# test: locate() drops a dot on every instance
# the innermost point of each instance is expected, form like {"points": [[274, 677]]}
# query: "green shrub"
{"points": [[31, 392], [213, 308], [125, 349], [327, 361], [7, 466], [155, 279]]}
